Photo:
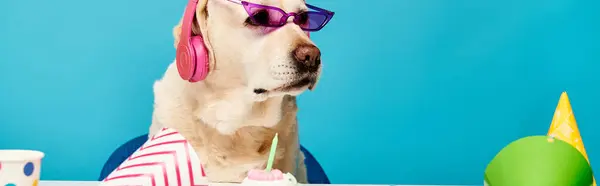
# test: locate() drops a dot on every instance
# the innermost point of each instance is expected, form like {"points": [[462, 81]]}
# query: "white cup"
{"points": [[20, 167]]}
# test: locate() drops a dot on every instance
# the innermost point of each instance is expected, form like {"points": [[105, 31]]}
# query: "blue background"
{"points": [[413, 91]]}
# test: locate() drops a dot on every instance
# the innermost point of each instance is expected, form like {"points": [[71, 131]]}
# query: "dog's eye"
{"points": [[259, 18], [302, 18]]}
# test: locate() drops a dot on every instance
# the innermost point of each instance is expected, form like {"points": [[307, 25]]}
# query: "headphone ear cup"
{"points": [[185, 60], [201, 65]]}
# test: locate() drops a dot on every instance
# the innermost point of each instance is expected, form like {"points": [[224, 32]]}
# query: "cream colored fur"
{"points": [[229, 126]]}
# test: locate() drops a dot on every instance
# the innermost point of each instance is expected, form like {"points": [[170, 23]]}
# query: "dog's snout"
{"points": [[307, 56]]}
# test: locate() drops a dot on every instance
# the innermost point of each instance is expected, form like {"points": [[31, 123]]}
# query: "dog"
{"points": [[249, 94]]}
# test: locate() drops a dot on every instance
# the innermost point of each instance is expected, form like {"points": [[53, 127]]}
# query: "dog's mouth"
{"points": [[296, 85]]}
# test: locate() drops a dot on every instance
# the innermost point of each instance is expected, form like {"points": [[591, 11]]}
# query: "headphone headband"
{"points": [[188, 20]]}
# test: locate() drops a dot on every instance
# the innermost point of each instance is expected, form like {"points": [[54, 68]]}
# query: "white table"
{"points": [[95, 183]]}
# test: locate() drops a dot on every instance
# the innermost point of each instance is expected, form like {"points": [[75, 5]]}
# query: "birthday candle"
{"points": [[272, 153]]}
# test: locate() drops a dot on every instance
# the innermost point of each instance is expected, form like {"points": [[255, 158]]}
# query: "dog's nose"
{"points": [[307, 56]]}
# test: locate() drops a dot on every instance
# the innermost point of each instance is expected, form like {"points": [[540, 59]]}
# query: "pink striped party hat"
{"points": [[166, 159]]}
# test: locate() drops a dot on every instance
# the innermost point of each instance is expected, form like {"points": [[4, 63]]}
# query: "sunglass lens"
{"points": [[265, 16], [311, 20]]}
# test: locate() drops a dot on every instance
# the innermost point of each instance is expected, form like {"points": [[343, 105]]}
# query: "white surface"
{"points": [[94, 183]]}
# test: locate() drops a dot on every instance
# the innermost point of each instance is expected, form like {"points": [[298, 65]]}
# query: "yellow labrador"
{"points": [[249, 94]]}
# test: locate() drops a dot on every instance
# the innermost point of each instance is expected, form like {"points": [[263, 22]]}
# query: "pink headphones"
{"points": [[192, 55]]}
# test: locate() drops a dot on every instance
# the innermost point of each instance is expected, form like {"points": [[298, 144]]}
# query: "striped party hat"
{"points": [[166, 159]]}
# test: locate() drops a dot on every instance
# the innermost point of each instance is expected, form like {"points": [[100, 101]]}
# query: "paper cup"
{"points": [[20, 167]]}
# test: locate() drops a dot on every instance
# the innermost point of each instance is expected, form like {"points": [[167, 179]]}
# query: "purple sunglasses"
{"points": [[269, 16]]}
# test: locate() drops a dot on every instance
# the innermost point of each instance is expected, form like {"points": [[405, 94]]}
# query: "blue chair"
{"points": [[315, 173]]}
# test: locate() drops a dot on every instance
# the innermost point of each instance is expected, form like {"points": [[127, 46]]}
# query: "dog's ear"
{"points": [[200, 9], [199, 27], [177, 30]]}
